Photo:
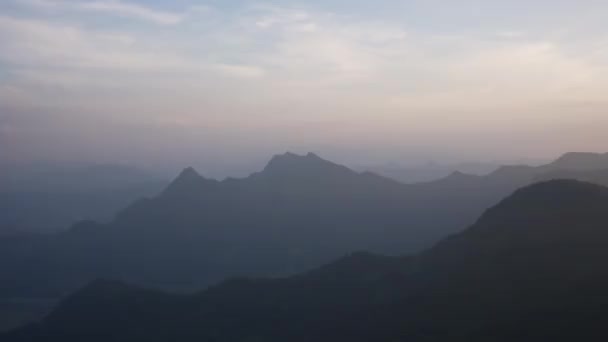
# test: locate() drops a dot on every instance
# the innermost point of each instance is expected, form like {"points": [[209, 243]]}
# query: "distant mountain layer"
{"points": [[297, 213], [48, 198], [430, 171], [532, 268], [579, 161]]}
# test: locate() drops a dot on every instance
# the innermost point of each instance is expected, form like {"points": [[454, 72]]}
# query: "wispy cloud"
{"points": [[313, 53], [302, 48], [113, 7], [35, 44], [260, 68]]}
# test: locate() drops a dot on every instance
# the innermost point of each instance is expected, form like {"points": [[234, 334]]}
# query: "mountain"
{"points": [[532, 268], [566, 164], [50, 197], [428, 172], [599, 176], [297, 213], [300, 211], [581, 161]]}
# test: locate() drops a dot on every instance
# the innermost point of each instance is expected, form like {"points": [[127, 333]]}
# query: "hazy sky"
{"points": [[191, 82]]}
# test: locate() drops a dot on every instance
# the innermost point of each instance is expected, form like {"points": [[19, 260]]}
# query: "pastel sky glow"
{"points": [[216, 81]]}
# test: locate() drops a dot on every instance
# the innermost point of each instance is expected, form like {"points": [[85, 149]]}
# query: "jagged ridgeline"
{"points": [[300, 211], [532, 268]]}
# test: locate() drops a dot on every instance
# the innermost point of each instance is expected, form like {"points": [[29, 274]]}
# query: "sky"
{"points": [[230, 83]]}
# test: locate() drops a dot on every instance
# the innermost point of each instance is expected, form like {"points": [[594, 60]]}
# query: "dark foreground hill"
{"points": [[297, 213], [532, 268]]}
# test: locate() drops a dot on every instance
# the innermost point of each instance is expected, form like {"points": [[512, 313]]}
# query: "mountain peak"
{"points": [[188, 181], [188, 176], [294, 163], [188, 173], [290, 156]]}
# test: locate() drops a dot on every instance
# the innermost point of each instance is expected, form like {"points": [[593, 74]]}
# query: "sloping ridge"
{"points": [[303, 164], [295, 172], [555, 198], [581, 161], [547, 217], [188, 182], [534, 262]]}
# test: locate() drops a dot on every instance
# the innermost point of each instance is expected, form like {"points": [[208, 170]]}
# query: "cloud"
{"points": [[272, 70], [303, 45], [43, 44], [319, 53], [112, 7], [512, 76], [40, 45], [240, 70], [390, 64]]}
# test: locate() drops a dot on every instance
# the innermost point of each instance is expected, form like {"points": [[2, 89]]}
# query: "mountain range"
{"points": [[531, 268], [429, 171], [295, 214]]}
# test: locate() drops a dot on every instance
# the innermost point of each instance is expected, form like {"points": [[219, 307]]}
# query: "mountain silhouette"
{"points": [[429, 171], [307, 165], [188, 183], [581, 161], [297, 213], [530, 269], [300, 211], [571, 161]]}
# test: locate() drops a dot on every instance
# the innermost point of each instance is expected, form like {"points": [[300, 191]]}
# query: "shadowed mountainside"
{"points": [[531, 268], [297, 213]]}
